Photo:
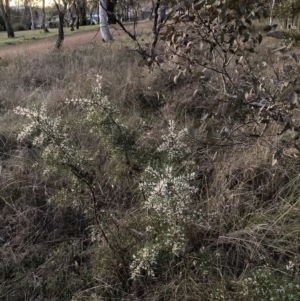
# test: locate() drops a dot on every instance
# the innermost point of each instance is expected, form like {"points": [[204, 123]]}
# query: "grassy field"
{"points": [[38, 34]]}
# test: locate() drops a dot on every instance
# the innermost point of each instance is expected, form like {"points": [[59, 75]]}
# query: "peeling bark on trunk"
{"points": [[106, 35], [5, 11]]}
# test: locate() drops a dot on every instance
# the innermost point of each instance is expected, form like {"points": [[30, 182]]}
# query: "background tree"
{"points": [[31, 17], [103, 14], [287, 12], [44, 18], [272, 12], [62, 9], [2, 24], [72, 12], [5, 11], [123, 8], [111, 4], [92, 7], [82, 10], [76, 9], [24, 19]]}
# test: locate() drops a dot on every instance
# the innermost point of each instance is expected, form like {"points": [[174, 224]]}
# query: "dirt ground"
{"points": [[70, 41]]}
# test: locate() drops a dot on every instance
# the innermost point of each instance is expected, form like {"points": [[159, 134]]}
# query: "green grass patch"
{"points": [[22, 37]]}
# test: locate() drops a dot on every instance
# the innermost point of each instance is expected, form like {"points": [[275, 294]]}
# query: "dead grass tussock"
{"points": [[252, 207]]}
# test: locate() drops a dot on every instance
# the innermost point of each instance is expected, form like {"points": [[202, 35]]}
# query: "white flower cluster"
{"points": [[168, 200], [98, 101], [174, 142], [167, 195], [37, 119], [144, 261], [264, 284], [47, 133], [53, 137], [290, 266]]}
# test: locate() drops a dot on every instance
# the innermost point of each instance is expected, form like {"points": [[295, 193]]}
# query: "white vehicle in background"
{"points": [[94, 19], [88, 19]]}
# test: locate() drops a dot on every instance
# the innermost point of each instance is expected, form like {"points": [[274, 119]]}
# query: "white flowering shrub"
{"points": [[266, 283], [95, 105], [100, 117], [61, 150], [168, 200], [53, 137], [263, 283], [174, 143]]}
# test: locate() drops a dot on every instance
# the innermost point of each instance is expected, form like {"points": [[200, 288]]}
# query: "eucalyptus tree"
{"points": [[72, 12], [31, 16], [92, 7], [82, 11], [5, 11], [44, 18], [108, 15], [62, 9], [105, 33], [272, 12]]}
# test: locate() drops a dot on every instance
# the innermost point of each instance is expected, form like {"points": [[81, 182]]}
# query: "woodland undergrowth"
{"points": [[120, 181]]}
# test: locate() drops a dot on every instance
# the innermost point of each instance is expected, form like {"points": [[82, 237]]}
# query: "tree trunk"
{"points": [[271, 12], [61, 15], [290, 16], [5, 11], [106, 35], [72, 20], [24, 14], [110, 11], [31, 17], [77, 17], [82, 8], [91, 17], [44, 19], [61, 34], [152, 10]]}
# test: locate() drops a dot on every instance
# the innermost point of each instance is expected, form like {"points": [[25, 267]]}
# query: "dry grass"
{"points": [[49, 78], [251, 208]]}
